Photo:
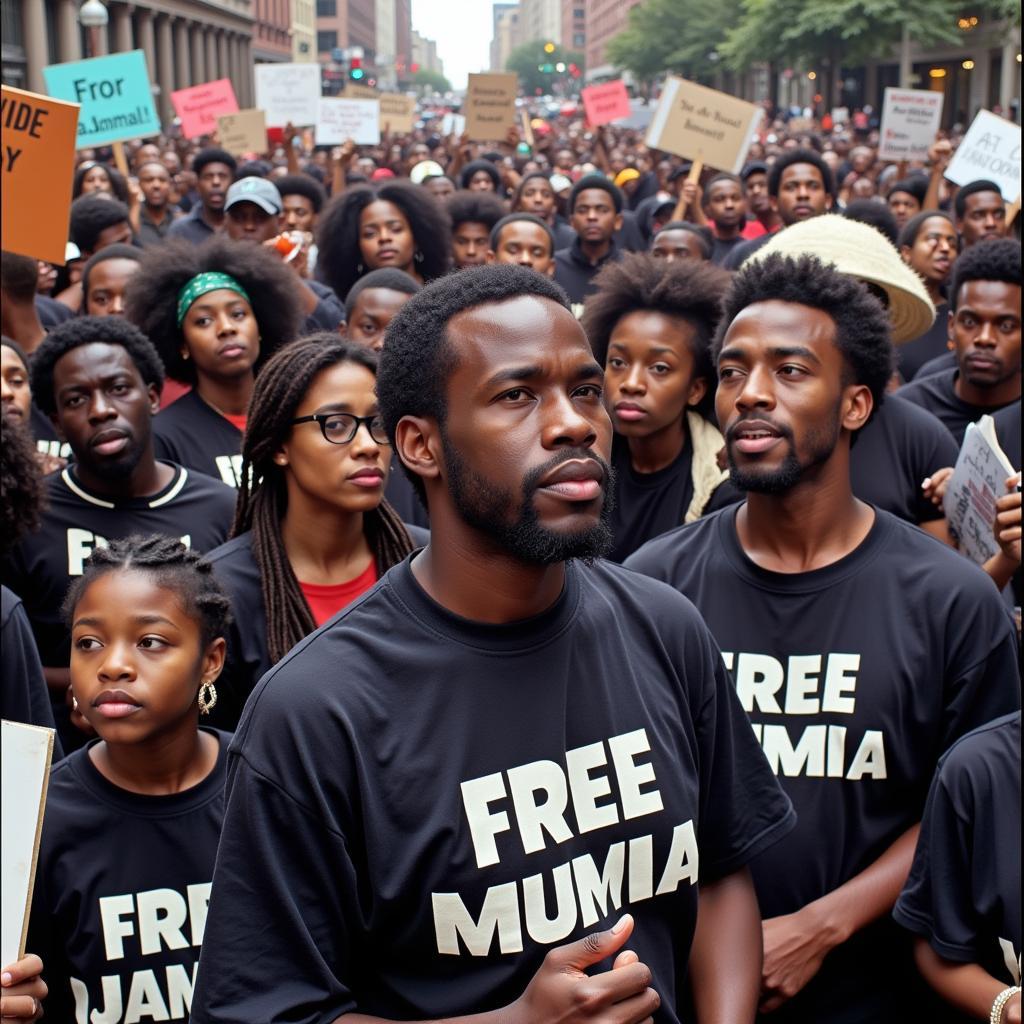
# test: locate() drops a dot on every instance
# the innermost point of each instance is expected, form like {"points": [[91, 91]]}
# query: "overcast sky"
{"points": [[462, 30]]}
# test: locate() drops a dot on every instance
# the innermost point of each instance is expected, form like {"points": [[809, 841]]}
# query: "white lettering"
{"points": [[532, 816], [596, 891], [586, 790], [758, 678], [836, 751], [180, 986], [80, 545], [683, 860], [840, 677], [145, 999], [111, 1012], [631, 776], [539, 926], [500, 913], [483, 825], [162, 912], [198, 905], [870, 757], [802, 683], [112, 909], [641, 868], [785, 760]]}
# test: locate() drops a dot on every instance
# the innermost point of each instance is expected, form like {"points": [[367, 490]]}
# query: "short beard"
{"points": [[121, 468], [820, 445], [486, 508]]}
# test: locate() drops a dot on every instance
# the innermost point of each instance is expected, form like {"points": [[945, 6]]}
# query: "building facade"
{"points": [[505, 36], [540, 20], [303, 31], [424, 54], [186, 42], [271, 31], [574, 25], [605, 19]]}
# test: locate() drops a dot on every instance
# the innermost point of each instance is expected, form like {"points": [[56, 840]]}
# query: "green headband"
{"points": [[210, 281]]}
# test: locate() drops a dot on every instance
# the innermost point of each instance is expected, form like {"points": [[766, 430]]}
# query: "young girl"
{"points": [[215, 314], [133, 819], [312, 530]]}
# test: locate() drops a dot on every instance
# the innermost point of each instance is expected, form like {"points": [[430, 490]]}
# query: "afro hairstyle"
{"points": [[466, 176], [589, 181], [303, 185], [111, 252], [863, 333], [213, 155], [91, 215], [997, 259], [878, 215], [340, 255], [474, 208], [417, 360], [86, 330], [18, 276], [386, 277], [21, 489], [118, 186], [512, 218], [151, 299], [800, 156], [972, 189]]}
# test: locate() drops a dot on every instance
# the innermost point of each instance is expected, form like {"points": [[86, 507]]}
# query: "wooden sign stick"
{"points": [[119, 158]]}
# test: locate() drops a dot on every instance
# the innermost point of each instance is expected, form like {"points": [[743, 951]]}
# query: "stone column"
{"points": [[69, 39], [210, 42], [146, 42], [33, 20], [183, 71], [1009, 78], [981, 76], [223, 55], [165, 64], [906, 63], [122, 28], [198, 55], [248, 75]]}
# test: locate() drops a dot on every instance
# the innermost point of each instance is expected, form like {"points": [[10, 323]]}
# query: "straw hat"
{"points": [[864, 252]]}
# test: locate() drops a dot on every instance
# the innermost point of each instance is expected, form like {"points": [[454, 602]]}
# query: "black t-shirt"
{"points": [[575, 273], [328, 312], [121, 892], [1007, 424], [912, 355], [856, 678], [248, 659], [738, 255], [963, 894], [41, 567], [420, 805], [22, 686], [51, 312], [936, 394], [890, 458], [721, 247], [947, 361], [45, 434], [196, 436], [650, 504]]}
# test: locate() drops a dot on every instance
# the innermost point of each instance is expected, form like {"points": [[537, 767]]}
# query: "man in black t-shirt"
{"points": [[437, 795], [859, 647], [984, 327], [99, 380], [726, 208], [595, 211]]}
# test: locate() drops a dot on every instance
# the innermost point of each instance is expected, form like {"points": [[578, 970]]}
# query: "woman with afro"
{"points": [[215, 314], [394, 224]]}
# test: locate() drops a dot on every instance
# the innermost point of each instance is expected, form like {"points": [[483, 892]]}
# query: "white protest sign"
{"points": [[288, 93], [990, 151], [25, 751], [453, 124], [340, 120], [910, 119]]}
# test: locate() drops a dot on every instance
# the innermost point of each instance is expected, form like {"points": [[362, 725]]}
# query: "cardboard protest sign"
{"points": [[340, 120], [490, 106], [397, 112], [702, 124], [243, 132], [38, 148], [910, 119], [201, 105], [115, 95], [606, 102], [288, 93], [355, 91], [990, 150], [25, 751]]}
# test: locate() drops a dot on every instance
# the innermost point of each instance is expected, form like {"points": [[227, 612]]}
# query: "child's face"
{"points": [[137, 658]]}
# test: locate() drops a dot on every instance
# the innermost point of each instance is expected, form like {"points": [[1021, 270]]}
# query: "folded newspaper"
{"points": [[978, 480]]}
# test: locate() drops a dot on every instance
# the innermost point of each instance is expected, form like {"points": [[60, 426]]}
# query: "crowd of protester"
{"points": [[341, 450]]}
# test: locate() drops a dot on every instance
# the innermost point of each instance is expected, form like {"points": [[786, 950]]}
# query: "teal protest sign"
{"points": [[114, 93]]}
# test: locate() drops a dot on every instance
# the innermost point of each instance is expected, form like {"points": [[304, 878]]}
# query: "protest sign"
{"points": [[703, 125], [397, 112], [840, 115], [201, 105], [340, 120], [243, 132], [606, 102], [910, 119], [38, 143], [355, 91], [115, 96], [288, 93], [26, 751], [453, 124], [490, 106], [989, 150], [978, 479]]}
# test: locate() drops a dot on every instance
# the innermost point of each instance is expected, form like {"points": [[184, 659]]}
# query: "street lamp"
{"points": [[92, 15]]}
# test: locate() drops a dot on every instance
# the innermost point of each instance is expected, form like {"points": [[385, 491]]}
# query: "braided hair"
{"points": [[171, 566], [263, 494]]}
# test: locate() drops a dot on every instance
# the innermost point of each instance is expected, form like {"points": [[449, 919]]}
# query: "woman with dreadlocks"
{"points": [[312, 530]]}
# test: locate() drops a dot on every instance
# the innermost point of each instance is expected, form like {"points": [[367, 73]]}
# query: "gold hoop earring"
{"points": [[207, 697]]}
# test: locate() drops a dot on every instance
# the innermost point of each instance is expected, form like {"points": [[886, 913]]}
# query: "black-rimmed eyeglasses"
{"points": [[341, 427]]}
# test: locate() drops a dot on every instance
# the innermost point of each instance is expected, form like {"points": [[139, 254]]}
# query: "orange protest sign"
{"points": [[37, 135]]}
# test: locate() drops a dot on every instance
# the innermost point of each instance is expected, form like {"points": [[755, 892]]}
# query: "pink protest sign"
{"points": [[606, 102], [201, 105]]}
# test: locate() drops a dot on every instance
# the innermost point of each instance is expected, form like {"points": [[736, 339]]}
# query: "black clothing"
{"points": [[329, 311], [51, 312], [248, 659], [722, 247], [153, 232], [45, 434], [630, 236], [1007, 424], [196, 436], [575, 273], [23, 697], [367, 861], [947, 361], [121, 892], [856, 677], [738, 256], [937, 395], [963, 893], [192, 227], [913, 355], [401, 496], [890, 458], [564, 233]]}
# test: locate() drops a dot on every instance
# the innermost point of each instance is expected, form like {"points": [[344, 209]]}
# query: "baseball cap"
{"points": [[255, 190], [425, 169], [753, 167]]}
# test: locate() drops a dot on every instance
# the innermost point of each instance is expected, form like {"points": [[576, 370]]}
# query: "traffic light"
{"points": [[414, 68], [549, 47], [355, 69]]}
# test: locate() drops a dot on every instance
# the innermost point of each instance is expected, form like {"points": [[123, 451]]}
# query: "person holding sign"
{"points": [[132, 821]]}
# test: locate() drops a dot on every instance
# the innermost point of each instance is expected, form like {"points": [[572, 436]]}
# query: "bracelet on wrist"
{"points": [[996, 1016]]}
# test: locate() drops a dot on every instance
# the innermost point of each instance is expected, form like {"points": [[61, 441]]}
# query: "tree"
{"points": [[427, 81], [537, 68]]}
